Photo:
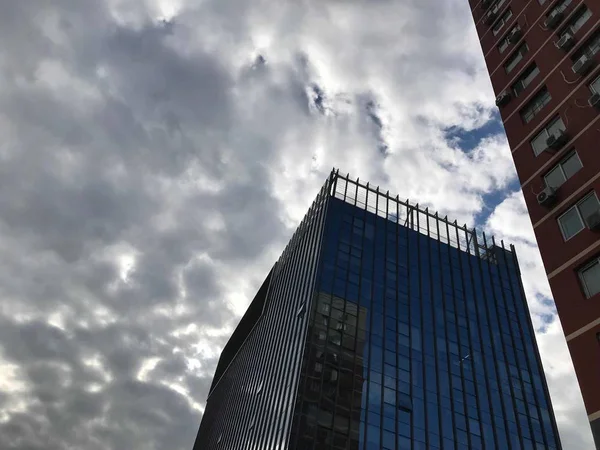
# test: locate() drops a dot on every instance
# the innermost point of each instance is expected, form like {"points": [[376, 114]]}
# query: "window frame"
{"points": [[581, 12], [593, 87], [503, 43], [595, 261], [559, 165], [589, 48], [560, 6], [581, 218], [502, 20], [535, 105], [512, 58], [524, 76], [545, 130]]}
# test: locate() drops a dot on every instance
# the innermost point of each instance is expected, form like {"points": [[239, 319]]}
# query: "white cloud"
{"points": [[153, 171]]}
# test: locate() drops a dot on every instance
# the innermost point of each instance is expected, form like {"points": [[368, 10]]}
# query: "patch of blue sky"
{"points": [[492, 199], [468, 140]]}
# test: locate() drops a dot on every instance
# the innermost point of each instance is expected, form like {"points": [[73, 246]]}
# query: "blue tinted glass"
{"points": [[442, 339]]}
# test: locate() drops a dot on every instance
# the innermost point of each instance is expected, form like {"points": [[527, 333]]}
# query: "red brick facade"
{"points": [[554, 35]]}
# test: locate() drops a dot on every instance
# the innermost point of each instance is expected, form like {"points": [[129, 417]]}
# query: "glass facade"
{"points": [[396, 329]]}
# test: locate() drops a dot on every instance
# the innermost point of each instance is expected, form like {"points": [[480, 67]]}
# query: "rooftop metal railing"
{"points": [[412, 216]]}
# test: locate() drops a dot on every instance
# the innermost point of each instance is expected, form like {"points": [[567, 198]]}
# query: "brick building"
{"points": [[543, 60]]}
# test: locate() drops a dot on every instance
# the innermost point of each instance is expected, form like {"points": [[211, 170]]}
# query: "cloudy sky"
{"points": [[156, 156]]}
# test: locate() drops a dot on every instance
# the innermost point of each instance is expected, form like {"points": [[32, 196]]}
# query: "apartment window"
{"points": [[590, 48], [503, 45], [525, 79], [575, 24], [516, 58], [574, 220], [595, 86], [535, 105], [538, 143], [496, 5], [564, 170], [590, 280], [502, 21], [505, 42], [560, 6]]}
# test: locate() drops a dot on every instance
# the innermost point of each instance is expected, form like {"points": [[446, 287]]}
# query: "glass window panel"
{"points": [[374, 397], [535, 105], [555, 177], [571, 165], [588, 206], [591, 279], [404, 443], [389, 440], [502, 21], [389, 423], [581, 18], [539, 142], [570, 223], [595, 85], [525, 79], [373, 437], [556, 125], [516, 58], [531, 74], [389, 396]]}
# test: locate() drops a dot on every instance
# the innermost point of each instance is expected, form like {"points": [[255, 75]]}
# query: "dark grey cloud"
{"points": [[152, 170], [108, 130]]}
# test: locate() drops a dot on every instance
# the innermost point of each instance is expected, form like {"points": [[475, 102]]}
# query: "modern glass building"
{"points": [[382, 326]]}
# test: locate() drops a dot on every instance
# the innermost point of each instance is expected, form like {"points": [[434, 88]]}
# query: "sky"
{"points": [[156, 157]]}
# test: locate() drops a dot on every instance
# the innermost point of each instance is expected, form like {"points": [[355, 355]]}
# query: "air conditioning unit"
{"points": [[593, 221], [515, 35], [566, 42], [594, 101], [582, 65], [490, 16], [547, 197], [557, 140], [554, 18], [503, 98]]}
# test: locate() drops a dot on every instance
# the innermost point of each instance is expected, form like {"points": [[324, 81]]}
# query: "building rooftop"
{"points": [[412, 216]]}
